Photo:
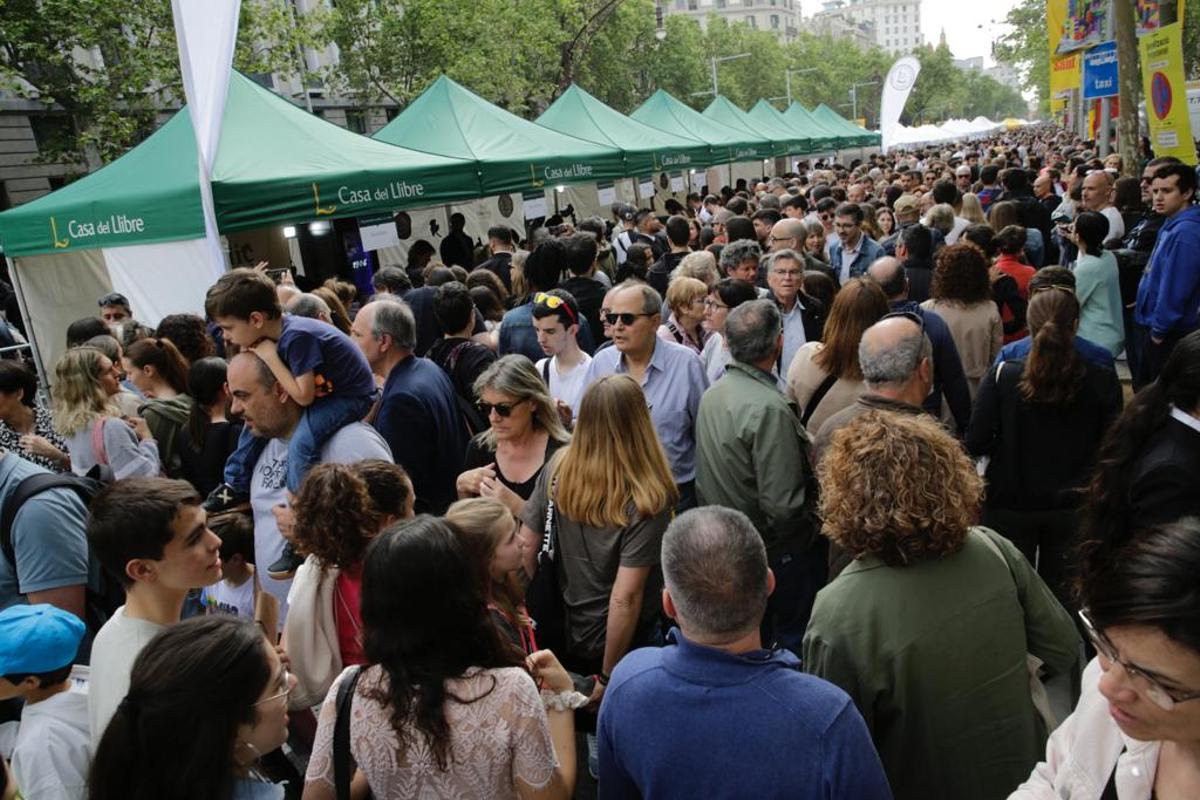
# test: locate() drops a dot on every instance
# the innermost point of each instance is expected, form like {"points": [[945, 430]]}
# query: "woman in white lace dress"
{"points": [[445, 707]]}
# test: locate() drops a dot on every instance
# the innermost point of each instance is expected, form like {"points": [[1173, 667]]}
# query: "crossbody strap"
{"points": [[342, 771], [811, 407]]}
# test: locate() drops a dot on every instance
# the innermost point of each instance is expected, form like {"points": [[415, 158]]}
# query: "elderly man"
{"points": [[671, 376], [949, 381], [418, 413], [268, 412], [854, 251], [1098, 190], [714, 688], [803, 316], [311, 306], [787, 234], [752, 455], [896, 357]]}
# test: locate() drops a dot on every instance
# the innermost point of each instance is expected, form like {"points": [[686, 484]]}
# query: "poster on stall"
{"points": [[1151, 15], [1166, 93]]}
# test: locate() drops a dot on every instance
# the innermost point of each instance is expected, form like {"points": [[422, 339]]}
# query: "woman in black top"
{"points": [[1041, 422], [505, 461], [210, 436]]}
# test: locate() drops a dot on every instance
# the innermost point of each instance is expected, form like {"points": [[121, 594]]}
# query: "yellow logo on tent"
{"points": [[321, 212], [533, 178], [58, 243]]}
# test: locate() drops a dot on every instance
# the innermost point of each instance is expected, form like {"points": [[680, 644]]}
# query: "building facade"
{"points": [[893, 25], [781, 17]]}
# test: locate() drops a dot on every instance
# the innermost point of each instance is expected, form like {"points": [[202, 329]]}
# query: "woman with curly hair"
{"points": [[1041, 420], [961, 294], [189, 334], [336, 517], [928, 628]]}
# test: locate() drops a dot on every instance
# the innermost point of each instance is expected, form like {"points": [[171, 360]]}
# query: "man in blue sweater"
{"points": [[713, 714], [1168, 298]]}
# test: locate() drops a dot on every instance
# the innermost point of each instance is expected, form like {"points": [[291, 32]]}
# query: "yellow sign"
{"points": [[1065, 70], [58, 243], [1166, 93], [322, 211]]}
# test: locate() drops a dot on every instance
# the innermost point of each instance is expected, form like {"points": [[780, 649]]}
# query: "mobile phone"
{"points": [[277, 274]]}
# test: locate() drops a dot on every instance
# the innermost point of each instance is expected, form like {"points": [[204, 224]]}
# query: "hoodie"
{"points": [[166, 418], [1168, 298]]}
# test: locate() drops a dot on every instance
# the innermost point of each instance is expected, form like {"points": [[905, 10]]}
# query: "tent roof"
{"points": [[784, 141], [647, 150], [275, 163], [804, 120], [819, 141], [664, 112], [514, 154], [834, 119]]}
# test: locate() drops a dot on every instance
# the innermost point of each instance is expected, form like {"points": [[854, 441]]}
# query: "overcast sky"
{"points": [[970, 26]]}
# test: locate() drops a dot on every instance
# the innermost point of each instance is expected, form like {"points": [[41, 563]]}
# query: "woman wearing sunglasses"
{"points": [[1135, 733], [207, 698], [505, 460]]}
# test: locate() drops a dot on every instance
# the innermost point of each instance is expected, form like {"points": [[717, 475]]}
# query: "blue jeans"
{"points": [[319, 421]]}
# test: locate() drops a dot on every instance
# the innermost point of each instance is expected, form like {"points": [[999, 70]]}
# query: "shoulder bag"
{"points": [[543, 596]]}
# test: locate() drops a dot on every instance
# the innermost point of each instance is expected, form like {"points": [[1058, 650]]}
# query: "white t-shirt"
{"points": [[53, 749], [566, 386], [268, 489], [116, 648], [225, 598], [1116, 225]]}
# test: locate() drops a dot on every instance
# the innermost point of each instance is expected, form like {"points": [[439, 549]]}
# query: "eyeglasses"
{"points": [[713, 304], [285, 678], [625, 318], [503, 409], [553, 301], [1162, 697], [788, 273], [784, 238], [113, 299]]}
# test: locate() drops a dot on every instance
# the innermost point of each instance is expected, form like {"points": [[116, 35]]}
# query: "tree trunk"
{"points": [[1130, 83]]}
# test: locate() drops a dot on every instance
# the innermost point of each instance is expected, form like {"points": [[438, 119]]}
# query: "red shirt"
{"points": [[1020, 272], [347, 615]]}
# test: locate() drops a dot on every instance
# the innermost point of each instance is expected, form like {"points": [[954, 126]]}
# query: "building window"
{"points": [[357, 121], [720, 3], [692, 5], [50, 131], [774, 21], [751, 22]]}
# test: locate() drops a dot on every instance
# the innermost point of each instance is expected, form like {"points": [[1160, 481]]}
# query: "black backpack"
{"points": [[111, 596]]}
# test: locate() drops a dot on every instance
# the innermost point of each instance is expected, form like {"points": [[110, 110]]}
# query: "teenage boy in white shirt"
{"points": [[556, 319]]}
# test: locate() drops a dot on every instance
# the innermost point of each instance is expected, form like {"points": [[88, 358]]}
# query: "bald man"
{"points": [[787, 234], [1098, 188], [949, 380]]}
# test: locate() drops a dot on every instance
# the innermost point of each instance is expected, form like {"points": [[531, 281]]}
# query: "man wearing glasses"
{"points": [[671, 376], [803, 316], [854, 251]]}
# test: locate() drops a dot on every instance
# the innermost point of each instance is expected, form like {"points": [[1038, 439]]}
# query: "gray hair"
{"points": [[106, 344], [516, 376], [735, 253], [751, 330], [715, 567], [396, 320], [941, 217], [784, 255], [652, 301], [309, 305], [701, 265], [893, 365]]}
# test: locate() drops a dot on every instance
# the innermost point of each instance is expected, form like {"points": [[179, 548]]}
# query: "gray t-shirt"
{"points": [[588, 559], [116, 647], [268, 489], [49, 538]]}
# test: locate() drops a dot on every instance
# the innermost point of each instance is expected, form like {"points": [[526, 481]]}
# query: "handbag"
{"points": [[343, 772], [1037, 690], [543, 596]]}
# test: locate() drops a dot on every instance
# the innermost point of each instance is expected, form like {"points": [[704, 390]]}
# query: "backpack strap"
{"points": [[342, 771], [546, 372], [27, 488], [98, 442]]}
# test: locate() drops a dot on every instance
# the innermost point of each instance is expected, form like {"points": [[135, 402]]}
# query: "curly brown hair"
{"points": [[898, 487], [961, 275], [335, 518]]}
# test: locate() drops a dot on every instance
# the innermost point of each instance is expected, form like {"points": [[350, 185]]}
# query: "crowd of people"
{"points": [[800, 489]]}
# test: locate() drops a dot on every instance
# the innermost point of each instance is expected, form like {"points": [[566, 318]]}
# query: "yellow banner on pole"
{"points": [[1065, 70], [1166, 93]]}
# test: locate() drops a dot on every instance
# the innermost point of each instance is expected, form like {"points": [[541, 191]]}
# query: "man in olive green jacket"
{"points": [[752, 455]]}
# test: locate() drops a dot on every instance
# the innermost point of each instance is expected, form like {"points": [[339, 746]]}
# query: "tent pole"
{"points": [[43, 378]]}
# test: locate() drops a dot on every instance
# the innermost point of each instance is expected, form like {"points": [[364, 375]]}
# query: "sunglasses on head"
{"points": [[553, 301], [113, 299], [626, 318], [503, 409]]}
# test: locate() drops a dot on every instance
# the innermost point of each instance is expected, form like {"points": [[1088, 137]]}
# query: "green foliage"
{"points": [[1027, 46]]}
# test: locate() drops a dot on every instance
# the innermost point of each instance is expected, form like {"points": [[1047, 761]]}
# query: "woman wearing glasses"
{"points": [[727, 294], [218, 684], [1135, 733], [505, 461], [1041, 421]]}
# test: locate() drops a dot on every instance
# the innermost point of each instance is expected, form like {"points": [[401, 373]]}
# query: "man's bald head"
{"points": [[246, 365], [890, 276], [1097, 190], [896, 359], [788, 234]]}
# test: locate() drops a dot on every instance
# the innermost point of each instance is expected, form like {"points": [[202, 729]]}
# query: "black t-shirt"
{"points": [[480, 456], [205, 468], [463, 360]]}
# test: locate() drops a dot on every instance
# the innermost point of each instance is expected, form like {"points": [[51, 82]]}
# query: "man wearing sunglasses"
{"points": [[671, 376]]}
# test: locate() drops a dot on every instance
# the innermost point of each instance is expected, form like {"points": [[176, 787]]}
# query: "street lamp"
{"points": [[713, 62], [660, 30], [788, 77], [854, 96]]}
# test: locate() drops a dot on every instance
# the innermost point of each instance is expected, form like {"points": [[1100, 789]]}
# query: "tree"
{"points": [[1027, 47], [940, 91]]}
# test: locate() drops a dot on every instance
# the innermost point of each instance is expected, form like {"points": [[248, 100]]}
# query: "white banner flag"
{"points": [[899, 83], [206, 31]]}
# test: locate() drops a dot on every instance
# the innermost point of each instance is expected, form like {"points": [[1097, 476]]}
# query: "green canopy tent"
{"points": [[579, 114], [514, 154], [834, 120], [819, 140], [730, 145], [804, 120], [136, 225], [784, 140]]}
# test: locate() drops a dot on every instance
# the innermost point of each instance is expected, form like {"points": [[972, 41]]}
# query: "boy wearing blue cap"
{"points": [[52, 750]]}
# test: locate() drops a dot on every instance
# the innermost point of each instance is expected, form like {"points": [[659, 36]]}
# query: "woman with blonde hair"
{"points": [[825, 377], [488, 532], [505, 460], [607, 498], [929, 627], [870, 221], [972, 209], [701, 265], [685, 322], [98, 439]]}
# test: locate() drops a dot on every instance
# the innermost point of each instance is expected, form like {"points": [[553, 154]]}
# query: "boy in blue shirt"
{"points": [[317, 365]]}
